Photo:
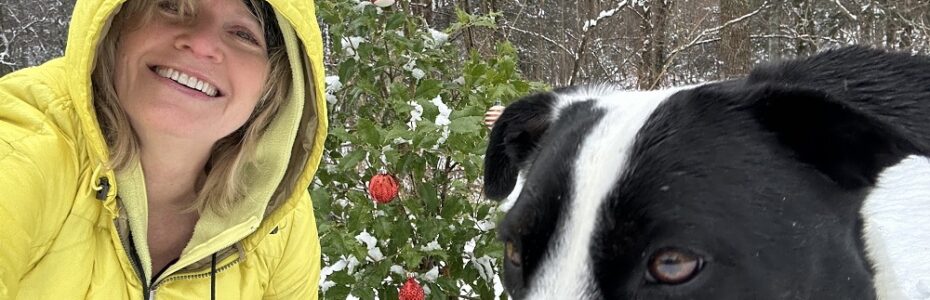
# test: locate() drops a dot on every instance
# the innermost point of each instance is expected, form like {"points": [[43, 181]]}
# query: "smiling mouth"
{"points": [[187, 80]]}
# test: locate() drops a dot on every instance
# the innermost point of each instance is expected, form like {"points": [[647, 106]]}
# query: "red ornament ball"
{"points": [[383, 188], [411, 290]]}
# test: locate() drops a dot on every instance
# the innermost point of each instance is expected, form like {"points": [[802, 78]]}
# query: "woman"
{"points": [[167, 155]]}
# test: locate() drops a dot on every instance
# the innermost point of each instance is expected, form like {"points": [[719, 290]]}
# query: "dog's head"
{"points": [[729, 190]]}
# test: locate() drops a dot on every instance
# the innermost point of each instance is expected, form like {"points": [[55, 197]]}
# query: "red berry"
{"points": [[383, 188], [411, 290]]}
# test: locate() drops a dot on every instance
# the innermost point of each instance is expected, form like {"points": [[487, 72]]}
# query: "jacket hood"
{"points": [[287, 157]]}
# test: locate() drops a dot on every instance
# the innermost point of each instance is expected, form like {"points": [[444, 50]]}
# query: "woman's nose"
{"points": [[202, 41]]}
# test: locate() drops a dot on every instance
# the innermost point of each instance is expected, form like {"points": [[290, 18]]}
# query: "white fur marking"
{"points": [[566, 272], [897, 230]]}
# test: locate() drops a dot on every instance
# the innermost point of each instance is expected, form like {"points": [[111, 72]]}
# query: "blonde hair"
{"points": [[223, 185]]}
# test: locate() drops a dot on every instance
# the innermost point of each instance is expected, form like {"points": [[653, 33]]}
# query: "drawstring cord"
{"points": [[93, 184], [213, 277], [100, 185]]}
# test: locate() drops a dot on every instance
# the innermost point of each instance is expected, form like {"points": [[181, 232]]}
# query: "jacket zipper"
{"points": [[151, 293], [136, 265]]}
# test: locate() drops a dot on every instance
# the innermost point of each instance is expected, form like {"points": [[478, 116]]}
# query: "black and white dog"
{"points": [[809, 179]]}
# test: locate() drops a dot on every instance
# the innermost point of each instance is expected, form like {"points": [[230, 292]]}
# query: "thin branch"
{"points": [[603, 15], [699, 40], [589, 27], [851, 16], [551, 41]]}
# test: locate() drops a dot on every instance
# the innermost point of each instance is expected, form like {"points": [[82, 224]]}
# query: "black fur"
{"points": [[763, 177], [532, 231], [514, 137]]}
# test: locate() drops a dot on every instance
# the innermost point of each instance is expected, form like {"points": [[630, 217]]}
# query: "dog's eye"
{"points": [[673, 266], [513, 255]]}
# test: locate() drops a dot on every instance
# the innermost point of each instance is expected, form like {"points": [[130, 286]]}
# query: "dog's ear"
{"points": [[513, 138], [848, 145]]}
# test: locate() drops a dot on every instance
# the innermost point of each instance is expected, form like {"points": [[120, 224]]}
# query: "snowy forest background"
{"points": [[639, 43], [408, 84]]}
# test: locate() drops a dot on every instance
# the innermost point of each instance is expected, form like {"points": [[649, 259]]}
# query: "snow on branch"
{"points": [[851, 16], [547, 39], [6, 50], [700, 37], [603, 15]]}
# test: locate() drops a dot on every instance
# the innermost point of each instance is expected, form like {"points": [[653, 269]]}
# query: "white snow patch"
{"points": [[375, 254], [485, 267], [604, 14], [367, 239], [324, 286], [470, 246], [416, 114], [350, 43], [362, 4], [437, 38], [333, 85], [485, 225], [398, 141], [353, 262], [338, 266], [444, 111], [342, 202], [410, 65], [432, 246], [398, 270], [442, 120], [431, 275], [417, 73]]}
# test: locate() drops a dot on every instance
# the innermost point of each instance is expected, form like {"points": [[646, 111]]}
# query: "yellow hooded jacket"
{"points": [[72, 229]]}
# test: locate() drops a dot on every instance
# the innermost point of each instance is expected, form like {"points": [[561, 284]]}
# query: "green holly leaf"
{"points": [[322, 202], [352, 159], [338, 292], [369, 132], [471, 124], [428, 89], [395, 21]]}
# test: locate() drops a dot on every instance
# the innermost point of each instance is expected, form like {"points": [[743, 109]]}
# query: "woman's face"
{"points": [[196, 79]]}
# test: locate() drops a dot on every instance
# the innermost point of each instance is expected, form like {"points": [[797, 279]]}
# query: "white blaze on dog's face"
{"points": [[601, 163], [744, 189]]}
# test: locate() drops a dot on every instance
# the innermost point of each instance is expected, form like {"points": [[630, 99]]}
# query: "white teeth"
{"points": [[187, 80]]}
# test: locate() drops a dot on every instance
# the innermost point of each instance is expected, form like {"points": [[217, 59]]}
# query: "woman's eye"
{"points": [[170, 7], [673, 266], [247, 36]]}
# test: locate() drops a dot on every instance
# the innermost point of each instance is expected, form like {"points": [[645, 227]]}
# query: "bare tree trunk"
{"points": [[734, 48], [423, 9], [804, 43], [654, 43]]}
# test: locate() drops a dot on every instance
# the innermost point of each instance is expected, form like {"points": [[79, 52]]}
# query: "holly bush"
{"points": [[408, 100]]}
